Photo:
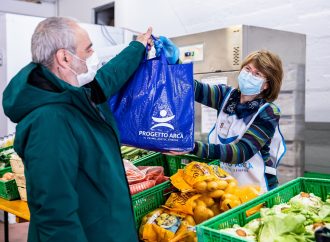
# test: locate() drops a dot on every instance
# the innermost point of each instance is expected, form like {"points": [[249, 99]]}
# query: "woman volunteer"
{"points": [[246, 137]]}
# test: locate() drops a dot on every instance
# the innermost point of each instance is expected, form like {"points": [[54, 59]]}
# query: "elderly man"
{"points": [[76, 184]]}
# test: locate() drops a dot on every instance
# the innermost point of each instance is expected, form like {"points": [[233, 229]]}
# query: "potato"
{"points": [[202, 213], [190, 220], [231, 188], [215, 209], [200, 203], [212, 186], [200, 186], [216, 194], [222, 185], [207, 200], [228, 204], [229, 196]]}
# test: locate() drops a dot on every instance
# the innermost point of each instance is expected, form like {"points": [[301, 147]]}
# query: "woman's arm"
{"points": [[258, 134], [210, 95]]}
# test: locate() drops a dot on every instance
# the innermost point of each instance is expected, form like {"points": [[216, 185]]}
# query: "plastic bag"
{"points": [[154, 110], [133, 174], [163, 225], [143, 177]]}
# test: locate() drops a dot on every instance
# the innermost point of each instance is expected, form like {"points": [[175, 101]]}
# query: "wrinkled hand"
{"points": [[171, 51], [145, 38]]}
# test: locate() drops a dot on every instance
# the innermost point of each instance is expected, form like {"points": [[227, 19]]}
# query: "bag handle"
{"points": [[162, 56]]}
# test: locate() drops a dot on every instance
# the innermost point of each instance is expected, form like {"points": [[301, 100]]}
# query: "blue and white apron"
{"points": [[229, 129]]}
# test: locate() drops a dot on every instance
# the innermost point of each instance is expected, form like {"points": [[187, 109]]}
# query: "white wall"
{"points": [[173, 17], [28, 8], [82, 10]]}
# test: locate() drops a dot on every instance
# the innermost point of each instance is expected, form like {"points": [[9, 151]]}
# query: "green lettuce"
{"points": [[307, 200], [324, 212], [277, 226], [240, 232], [254, 225]]}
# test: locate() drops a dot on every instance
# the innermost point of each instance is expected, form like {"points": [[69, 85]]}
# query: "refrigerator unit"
{"points": [[217, 57], [15, 49]]}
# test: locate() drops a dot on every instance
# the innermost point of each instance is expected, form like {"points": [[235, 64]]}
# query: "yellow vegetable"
{"points": [[228, 204], [200, 203], [222, 185], [207, 200], [231, 188], [215, 209], [247, 193], [216, 194], [230, 196], [202, 213], [190, 220], [212, 186], [200, 186]]}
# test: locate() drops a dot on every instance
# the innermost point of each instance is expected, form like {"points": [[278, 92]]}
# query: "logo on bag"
{"points": [[158, 133], [162, 122]]}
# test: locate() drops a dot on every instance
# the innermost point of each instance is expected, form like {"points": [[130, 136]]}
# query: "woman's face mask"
{"points": [[249, 84], [92, 64]]}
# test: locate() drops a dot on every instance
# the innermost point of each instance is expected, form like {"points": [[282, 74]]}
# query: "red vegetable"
{"points": [[139, 187]]}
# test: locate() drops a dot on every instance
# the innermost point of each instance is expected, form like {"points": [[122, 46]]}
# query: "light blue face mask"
{"points": [[249, 84]]}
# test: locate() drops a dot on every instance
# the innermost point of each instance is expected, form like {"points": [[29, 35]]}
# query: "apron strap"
{"points": [[270, 170]]}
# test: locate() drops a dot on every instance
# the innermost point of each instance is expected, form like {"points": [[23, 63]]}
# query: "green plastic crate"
{"points": [[149, 200], [316, 175], [8, 189], [155, 159], [152, 198], [144, 157], [6, 148], [178, 162], [208, 231]]}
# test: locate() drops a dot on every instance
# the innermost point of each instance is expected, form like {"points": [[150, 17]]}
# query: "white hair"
{"points": [[52, 34]]}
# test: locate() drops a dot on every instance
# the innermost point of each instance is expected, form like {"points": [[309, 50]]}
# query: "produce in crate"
{"points": [[7, 176], [141, 186], [162, 225], [5, 155], [297, 220], [206, 191], [240, 232], [143, 177], [7, 141], [133, 153]]}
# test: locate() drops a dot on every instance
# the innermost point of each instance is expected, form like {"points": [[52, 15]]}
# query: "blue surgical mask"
{"points": [[249, 84]]}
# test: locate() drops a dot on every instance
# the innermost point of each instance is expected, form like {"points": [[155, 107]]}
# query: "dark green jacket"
{"points": [[76, 183]]}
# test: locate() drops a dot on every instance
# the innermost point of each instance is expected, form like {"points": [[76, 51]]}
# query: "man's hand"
{"points": [[145, 38]]}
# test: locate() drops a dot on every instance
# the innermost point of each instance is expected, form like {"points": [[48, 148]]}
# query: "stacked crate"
{"points": [[291, 102], [18, 170]]}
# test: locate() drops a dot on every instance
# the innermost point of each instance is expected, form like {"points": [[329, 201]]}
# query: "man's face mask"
{"points": [[92, 64], [249, 84]]}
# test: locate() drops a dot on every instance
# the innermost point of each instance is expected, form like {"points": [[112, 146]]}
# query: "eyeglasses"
{"points": [[254, 73]]}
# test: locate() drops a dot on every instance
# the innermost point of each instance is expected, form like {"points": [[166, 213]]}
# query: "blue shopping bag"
{"points": [[154, 110]]}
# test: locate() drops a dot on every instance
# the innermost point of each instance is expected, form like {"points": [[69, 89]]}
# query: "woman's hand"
{"points": [[172, 52], [173, 153]]}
